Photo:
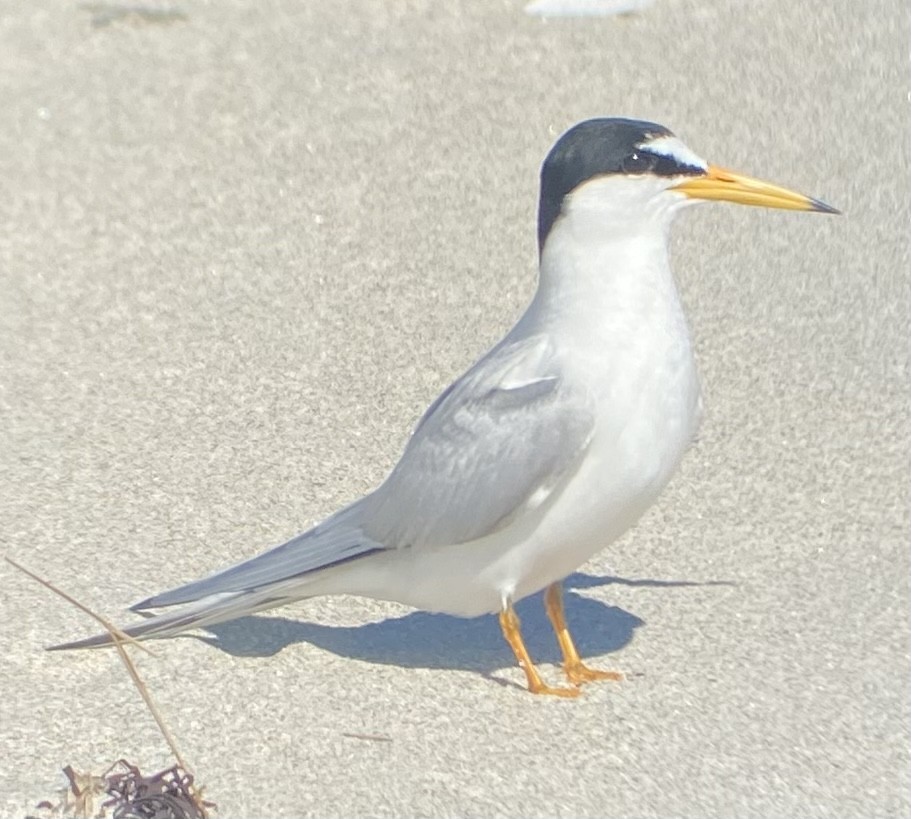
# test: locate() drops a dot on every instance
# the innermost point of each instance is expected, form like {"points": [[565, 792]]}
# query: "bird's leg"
{"points": [[509, 622], [576, 671]]}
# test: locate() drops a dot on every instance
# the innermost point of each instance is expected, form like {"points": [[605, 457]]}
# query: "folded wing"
{"points": [[498, 441]]}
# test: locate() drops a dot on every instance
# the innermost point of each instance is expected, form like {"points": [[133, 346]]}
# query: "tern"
{"points": [[552, 445]]}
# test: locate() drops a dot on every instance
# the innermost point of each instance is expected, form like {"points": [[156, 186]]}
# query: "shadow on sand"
{"points": [[439, 641]]}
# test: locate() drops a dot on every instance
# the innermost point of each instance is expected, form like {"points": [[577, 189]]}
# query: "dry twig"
{"points": [[163, 793]]}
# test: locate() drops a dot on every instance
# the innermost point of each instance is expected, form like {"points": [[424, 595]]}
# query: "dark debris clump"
{"points": [[168, 794]]}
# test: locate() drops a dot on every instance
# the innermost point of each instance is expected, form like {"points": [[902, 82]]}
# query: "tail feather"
{"points": [[281, 575], [207, 612], [336, 540]]}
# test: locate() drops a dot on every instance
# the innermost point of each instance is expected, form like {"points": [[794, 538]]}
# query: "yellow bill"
{"points": [[718, 183]]}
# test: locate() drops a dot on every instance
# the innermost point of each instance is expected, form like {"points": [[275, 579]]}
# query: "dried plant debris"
{"points": [[368, 737], [168, 794], [104, 14], [78, 799]]}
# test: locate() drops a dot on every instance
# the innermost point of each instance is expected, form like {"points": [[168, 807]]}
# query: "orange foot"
{"points": [[579, 673], [542, 688]]}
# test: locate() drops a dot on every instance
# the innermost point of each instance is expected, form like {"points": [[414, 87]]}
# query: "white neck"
{"points": [[611, 283], [608, 302]]}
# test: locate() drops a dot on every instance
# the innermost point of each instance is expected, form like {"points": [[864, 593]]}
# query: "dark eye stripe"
{"points": [[602, 147]]}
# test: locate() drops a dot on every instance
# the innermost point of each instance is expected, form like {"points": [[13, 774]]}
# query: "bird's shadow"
{"points": [[439, 641]]}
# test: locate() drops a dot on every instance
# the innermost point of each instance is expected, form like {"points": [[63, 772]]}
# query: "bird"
{"points": [[551, 445]]}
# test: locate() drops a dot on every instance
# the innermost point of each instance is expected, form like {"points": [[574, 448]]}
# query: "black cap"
{"points": [[597, 147]]}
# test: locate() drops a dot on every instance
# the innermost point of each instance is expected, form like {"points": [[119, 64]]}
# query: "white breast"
{"points": [[611, 309]]}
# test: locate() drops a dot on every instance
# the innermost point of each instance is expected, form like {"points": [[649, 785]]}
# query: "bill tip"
{"points": [[822, 207]]}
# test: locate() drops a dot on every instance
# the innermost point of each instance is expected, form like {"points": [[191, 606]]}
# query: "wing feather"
{"points": [[336, 540], [497, 440], [495, 443]]}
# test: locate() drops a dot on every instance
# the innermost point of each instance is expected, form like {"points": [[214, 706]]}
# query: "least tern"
{"points": [[548, 448]]}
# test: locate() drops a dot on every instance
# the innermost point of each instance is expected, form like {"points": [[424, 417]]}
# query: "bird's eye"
{"points": [[638, 162]]}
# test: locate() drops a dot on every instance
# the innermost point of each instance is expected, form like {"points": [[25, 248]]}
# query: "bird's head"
{"points": [[628, 175]]}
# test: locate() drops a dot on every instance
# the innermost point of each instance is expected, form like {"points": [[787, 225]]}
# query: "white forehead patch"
{"points": [[672, 147]]}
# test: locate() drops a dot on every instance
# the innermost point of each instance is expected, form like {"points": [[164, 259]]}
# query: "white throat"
{"points": [[609, 279]]}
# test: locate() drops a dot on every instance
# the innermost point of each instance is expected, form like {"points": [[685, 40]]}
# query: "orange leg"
{"points": [[509, 622], [576, 671]]}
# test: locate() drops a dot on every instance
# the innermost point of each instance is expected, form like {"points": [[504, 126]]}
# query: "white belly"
{"points": [[638, 443], [636, 450], [617, 325]]}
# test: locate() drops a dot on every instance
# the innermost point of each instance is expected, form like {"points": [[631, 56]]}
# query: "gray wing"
{"points": [[498, 440], [271, 579], [495, 443], [336, 540]]}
